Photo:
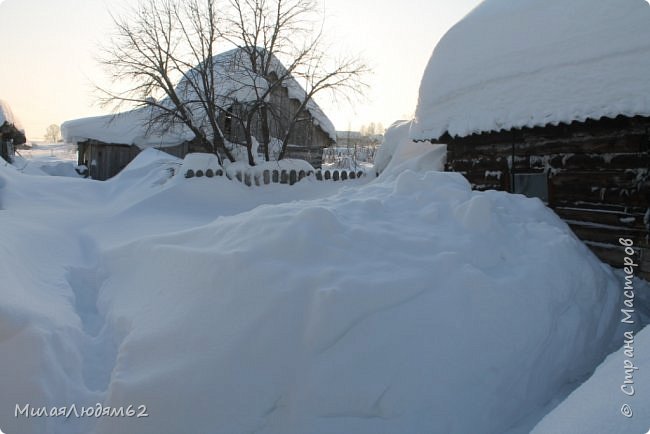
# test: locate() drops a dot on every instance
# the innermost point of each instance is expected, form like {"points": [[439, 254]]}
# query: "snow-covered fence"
{"points": [[277, 176]]}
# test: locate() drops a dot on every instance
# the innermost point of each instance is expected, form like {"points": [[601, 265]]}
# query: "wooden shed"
{"points": [[552, 106]]}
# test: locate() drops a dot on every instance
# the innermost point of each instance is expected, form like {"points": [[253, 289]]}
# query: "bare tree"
{"points": [[53, 133], [269, 31], [166, 49], [157, 43]]}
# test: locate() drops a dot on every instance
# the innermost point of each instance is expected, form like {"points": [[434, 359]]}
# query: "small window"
{"points": [[531, 185], [227, 125]]}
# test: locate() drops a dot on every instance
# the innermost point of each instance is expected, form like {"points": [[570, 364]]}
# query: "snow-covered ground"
{"points": [[400, 304], [55, 159]]}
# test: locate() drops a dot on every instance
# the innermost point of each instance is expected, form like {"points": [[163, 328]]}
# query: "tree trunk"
{"points": [[220, 144], [266, 134], [249, 145]]}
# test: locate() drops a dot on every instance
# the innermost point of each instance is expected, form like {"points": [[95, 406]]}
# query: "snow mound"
{"points": [[410, 304], [597, 406], [398, 152], [536, 62], [407, 304]]}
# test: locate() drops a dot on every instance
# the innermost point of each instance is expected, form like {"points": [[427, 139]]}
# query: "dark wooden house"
{"points": [[551, 106], [11, 135], [106, 144]]}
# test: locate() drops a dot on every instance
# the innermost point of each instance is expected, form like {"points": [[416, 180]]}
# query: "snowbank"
{"points": [[398, 152], [536, 62], [409, 304], [405, 306], [597, 406]]}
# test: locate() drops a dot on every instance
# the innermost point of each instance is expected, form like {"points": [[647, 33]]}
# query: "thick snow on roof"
{"points": [[6, 115], [128, 128], [235, 83], [536, 62], [243, 85]]}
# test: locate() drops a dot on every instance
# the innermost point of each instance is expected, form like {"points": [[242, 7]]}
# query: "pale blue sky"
{"points": [[49, 47]]}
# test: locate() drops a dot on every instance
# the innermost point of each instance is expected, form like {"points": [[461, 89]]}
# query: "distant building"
{"points": [[108, 143], [11, 133], [551, 105], [352, 138]]}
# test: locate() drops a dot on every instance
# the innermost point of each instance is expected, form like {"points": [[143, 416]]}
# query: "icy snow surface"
{"points": [[595, 407], [511, 64], [405, 304]]}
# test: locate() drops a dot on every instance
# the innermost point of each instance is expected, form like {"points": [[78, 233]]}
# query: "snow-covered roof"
{"points": [[243, 85], [6, 115], [525, 63], [127, 128], [240, 85]]}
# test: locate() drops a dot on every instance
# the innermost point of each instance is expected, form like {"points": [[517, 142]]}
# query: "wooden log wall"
{"points": [[599, 176]]}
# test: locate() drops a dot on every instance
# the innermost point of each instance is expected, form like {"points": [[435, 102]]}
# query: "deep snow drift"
{"points": [[512, 64], [403, 304], [597, 405]]}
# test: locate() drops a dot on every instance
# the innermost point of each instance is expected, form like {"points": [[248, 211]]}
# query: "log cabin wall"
{"points": [[598, 176]]}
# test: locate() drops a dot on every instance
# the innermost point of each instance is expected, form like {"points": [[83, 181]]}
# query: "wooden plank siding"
{"points": [[106, 160], [306, 140], [598, 176]]}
